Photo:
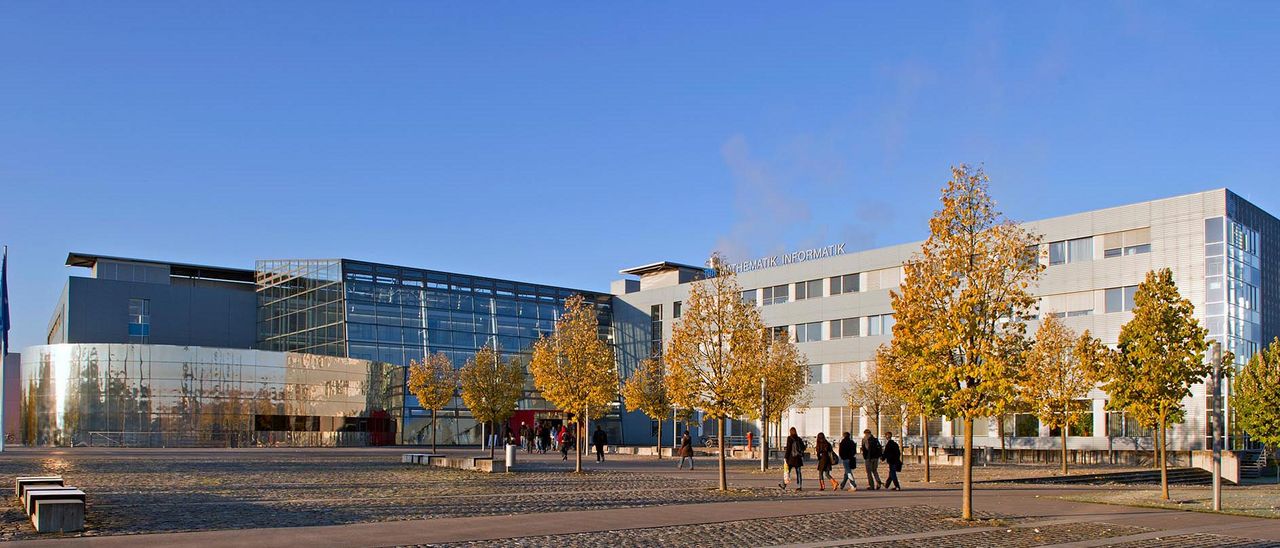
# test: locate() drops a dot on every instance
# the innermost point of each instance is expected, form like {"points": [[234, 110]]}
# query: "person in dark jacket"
{"points": [[600, 439], [893, 458], [566, 443], [793, 459], [686, 450], [848, 452], [822, 448], [870, 457], [544, 438]]}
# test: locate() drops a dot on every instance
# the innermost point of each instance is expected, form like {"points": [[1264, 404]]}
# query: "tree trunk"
{"points": [[577, 462], [493, 431], [433, 430], [1064, 450], [924, 433], [724, 480], [966, 505], [659, 439], [1164, 464]]}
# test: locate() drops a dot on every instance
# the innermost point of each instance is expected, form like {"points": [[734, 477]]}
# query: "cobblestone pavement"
{"points": [[162, 492], [1196, 540], [759, 532]]}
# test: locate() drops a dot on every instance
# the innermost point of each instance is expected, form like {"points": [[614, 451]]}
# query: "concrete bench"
{"points": [[417, 458], [21, 484], [32, 496], [58, 515]]}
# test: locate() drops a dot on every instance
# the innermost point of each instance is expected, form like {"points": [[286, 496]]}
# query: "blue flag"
{"points": [[4, 303]]}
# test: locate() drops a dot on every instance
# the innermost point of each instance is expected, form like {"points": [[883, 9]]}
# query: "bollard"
{"points": [[511, 456]]}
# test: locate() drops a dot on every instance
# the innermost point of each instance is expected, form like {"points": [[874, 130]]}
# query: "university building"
{"points": [[312, 352]]}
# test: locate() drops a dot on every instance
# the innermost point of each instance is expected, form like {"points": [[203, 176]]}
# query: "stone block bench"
{"points": [[478, 464], [52, 506]]}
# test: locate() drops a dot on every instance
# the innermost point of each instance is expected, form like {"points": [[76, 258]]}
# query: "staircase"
{"points": [[1252, 463]]}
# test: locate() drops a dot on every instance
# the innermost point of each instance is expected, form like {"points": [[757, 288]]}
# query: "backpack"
{"points": [[873, 448]]}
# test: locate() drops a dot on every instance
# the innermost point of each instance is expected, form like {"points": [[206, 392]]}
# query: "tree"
{"points": [[574, 369], [918, 394], [1161, 355], [715, 351], [646, 391], [491, 387], [870, 392], [1055, 377], [1256, 397], [962, 308], [433, 381], [783, 380]]}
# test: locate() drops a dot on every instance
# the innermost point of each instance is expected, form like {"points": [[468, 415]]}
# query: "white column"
{"points": [[1099, 418]]}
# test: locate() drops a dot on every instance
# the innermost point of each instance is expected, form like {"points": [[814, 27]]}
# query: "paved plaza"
{"points": [[366, 497]]}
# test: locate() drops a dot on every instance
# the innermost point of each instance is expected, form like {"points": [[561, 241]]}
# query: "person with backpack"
{"points": [[893, 458], [848, 453], [793, 459], [871, 452], [826, 457]]}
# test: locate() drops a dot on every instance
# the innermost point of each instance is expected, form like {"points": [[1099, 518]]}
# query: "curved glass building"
{"points": [[145, 395]]}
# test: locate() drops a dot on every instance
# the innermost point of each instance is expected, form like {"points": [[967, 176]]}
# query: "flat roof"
{"points": [[182, 270], [658, 267]]}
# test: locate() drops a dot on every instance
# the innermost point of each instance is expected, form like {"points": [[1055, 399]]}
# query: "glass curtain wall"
{"points": [[300, 306], [396, 315]]}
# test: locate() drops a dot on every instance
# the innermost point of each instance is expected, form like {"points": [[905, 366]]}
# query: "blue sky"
{"points": [[558, 143]]}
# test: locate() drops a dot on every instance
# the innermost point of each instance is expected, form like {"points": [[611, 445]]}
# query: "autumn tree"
{"points": [[1161, 355], [646, 391], [962, 308], [1055, 377], [574, 369], [491, 386], [433, 381], [715, 351], [782, 383], [1256, 397], [918, 394], [869, 391]]}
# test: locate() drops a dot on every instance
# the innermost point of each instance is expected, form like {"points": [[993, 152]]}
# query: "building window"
{"points": [[749, 296], [779, 332], [1026, 425], [675, 309], [844, 328], [1128, 242], [776, 294], [811, 289], [815, 373], [139, 320], [844, 284], [1119, 425], [1120, 299], [655, 330], [809, 332], [880, 325], [1071, 251]]}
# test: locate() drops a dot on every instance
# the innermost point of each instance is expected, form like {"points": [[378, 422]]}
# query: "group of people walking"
{"points": [[846, 452], [557, 437]]}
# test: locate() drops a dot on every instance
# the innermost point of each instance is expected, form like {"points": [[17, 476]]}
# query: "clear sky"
{"points": [[557, 144]]}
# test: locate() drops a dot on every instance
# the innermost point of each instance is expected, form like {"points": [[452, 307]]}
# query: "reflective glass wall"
{"points": [[300, 306], [396, 314], [175, 396]]}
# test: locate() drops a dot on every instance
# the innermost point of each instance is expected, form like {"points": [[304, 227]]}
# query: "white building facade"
{"points": [[835, 305]]}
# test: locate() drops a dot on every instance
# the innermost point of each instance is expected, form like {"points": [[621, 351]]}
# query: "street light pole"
{"points": [[1215, 401], [764, 434]]}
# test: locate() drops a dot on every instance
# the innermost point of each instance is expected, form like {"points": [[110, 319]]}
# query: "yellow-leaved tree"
{"points": [[962, 308], [1056, 376], [713, 362], [920, 398], [646, 391], [491, 387], [574, 369], [1161, 355], [868, 391], [433, 381], [783, 383]]}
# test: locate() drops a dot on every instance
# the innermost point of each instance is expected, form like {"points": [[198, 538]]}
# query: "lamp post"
{"points": [[764, 434]]}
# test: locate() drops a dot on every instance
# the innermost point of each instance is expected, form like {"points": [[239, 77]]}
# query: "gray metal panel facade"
{"points": [[184, 312]]}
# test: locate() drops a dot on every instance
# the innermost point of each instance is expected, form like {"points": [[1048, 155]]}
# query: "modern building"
{"points": [[313, 351], [835, 305]]}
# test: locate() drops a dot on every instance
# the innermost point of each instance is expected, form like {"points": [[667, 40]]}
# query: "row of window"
{"points": [[876, 325], [813, 289], [1114, 244]]}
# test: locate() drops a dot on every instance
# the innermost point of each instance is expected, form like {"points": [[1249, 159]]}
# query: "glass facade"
{"points": [[396, 315], [178, 396]]}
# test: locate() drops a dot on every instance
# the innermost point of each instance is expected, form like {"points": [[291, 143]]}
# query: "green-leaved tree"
{"points": [[1256, 397]]}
